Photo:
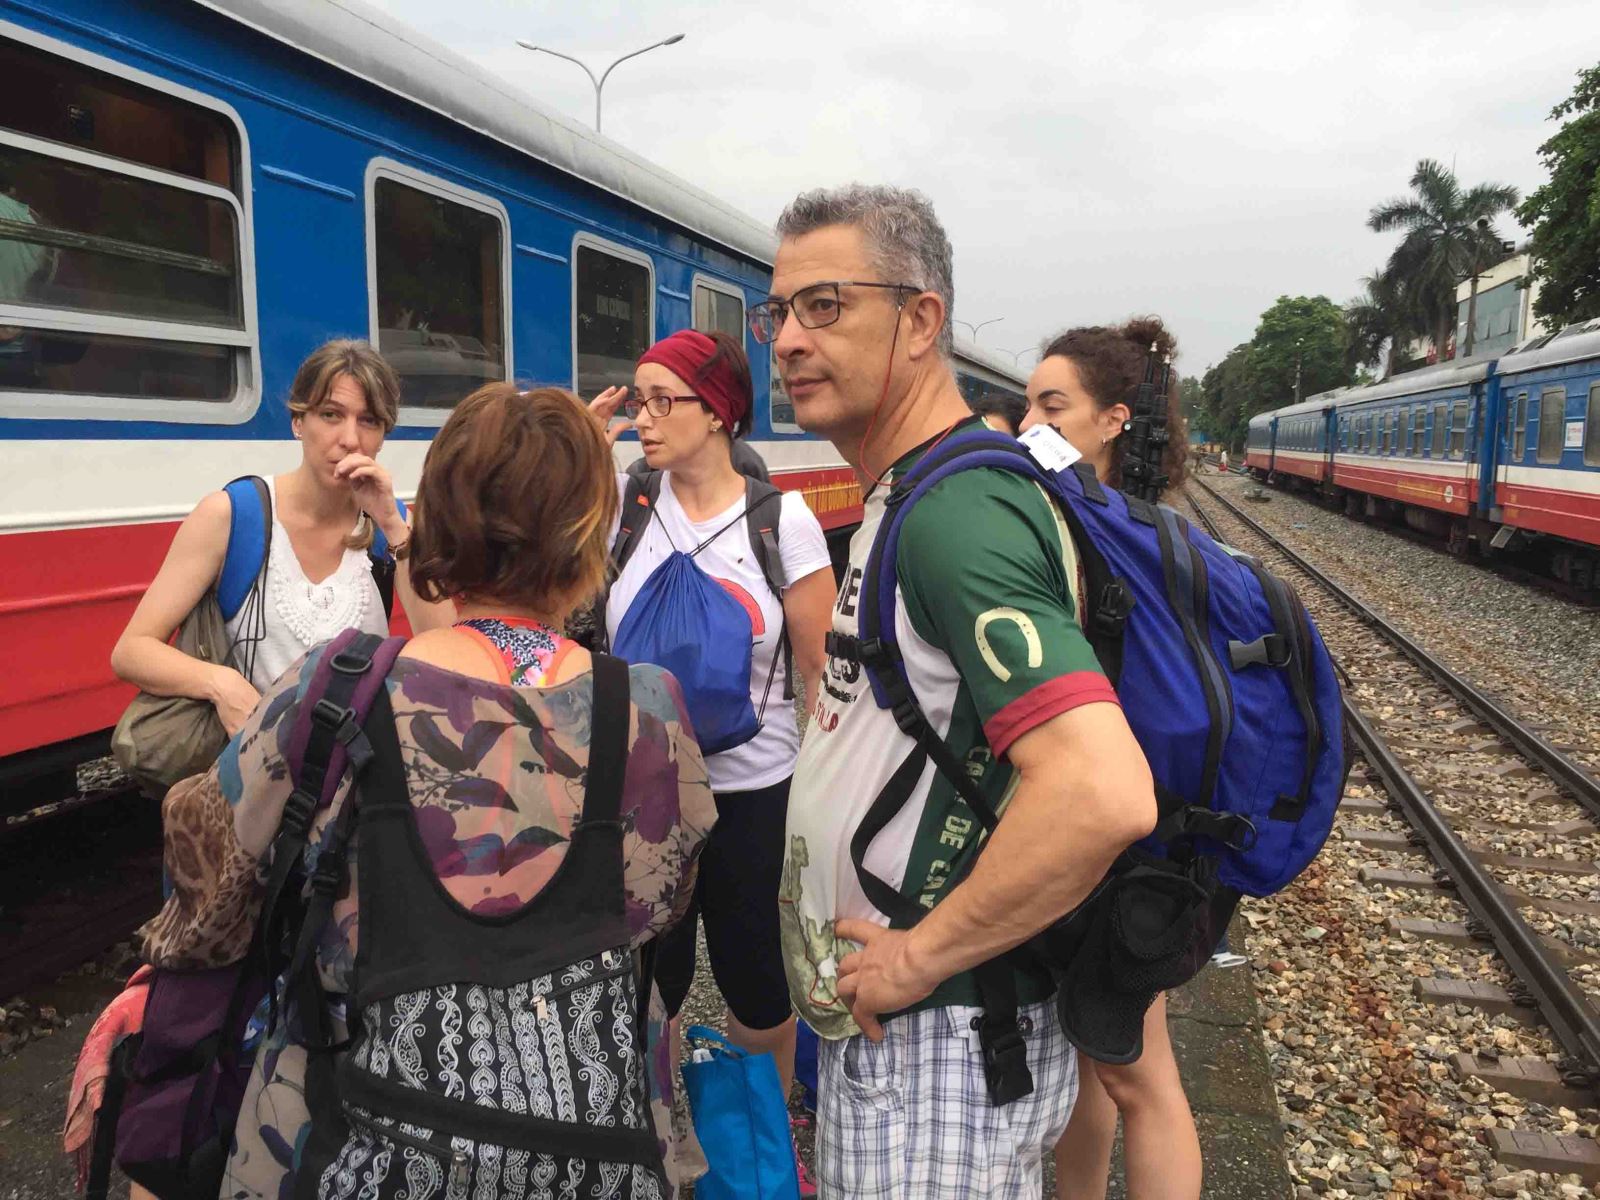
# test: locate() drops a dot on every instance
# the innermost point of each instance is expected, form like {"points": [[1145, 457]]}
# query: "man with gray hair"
{"points": [[987, 620]]}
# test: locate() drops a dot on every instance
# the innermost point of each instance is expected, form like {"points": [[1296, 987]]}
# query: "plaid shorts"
{"points": [[909, 1118]]}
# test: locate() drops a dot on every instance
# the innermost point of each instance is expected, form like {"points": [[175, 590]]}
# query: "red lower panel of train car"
{"points": [[1449, 487], [65, 596], [1305, 465], [1570, 510]]}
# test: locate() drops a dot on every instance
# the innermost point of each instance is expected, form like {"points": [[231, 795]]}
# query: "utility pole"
{"points": [[1472, 297], [1297, 358]]}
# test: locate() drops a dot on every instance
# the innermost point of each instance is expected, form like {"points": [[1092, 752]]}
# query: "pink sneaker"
{"points": [[808, 1185]]}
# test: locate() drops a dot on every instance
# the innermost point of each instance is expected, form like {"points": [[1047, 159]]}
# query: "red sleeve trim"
{"points": [[1061, 694]]}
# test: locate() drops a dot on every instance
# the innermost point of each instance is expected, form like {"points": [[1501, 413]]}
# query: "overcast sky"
{"points": [[1088, 162]]}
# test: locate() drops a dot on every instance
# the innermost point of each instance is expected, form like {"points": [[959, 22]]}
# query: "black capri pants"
{"points": [[736, 895]]}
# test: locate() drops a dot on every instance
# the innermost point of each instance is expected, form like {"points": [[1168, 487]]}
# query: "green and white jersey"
{"points": [[986, 614]]}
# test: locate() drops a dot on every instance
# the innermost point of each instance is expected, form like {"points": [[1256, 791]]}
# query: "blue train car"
{"points": [[194, 195], [1493, 454]]}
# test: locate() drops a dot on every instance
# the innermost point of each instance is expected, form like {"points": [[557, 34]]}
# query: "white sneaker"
{"points": [[1226, 958]]}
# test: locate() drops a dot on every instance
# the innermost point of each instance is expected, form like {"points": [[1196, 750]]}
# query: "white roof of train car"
{"points": [[356, 38], [361, 40], [1428, 379], [1571, 344]]}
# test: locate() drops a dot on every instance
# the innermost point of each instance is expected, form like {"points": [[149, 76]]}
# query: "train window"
{"points": [[1419, 432], [612, 315], [125, 288], [75, 106], [779, 406], [1458, 429], [718, 306], [1591, 428], [1519, 427], [438, 287], [86, 238], [1440, 427], [1552, 424], [1404, 444]]}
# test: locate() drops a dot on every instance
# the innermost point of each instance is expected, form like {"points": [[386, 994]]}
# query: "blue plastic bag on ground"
{"points": [[685, 621], [741, 1121]]}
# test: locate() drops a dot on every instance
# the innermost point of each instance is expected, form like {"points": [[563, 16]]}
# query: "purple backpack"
{"points": [[175, 1088]]}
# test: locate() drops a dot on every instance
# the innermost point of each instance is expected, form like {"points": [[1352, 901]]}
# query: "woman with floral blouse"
{"points": [[493, 716]]}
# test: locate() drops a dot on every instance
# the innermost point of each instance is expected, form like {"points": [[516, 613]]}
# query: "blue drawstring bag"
{"points": [[685, 621], [741, 1121]]}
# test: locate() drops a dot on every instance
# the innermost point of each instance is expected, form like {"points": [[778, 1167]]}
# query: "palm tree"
{"points": [[1384, 315], [1443, 241]]}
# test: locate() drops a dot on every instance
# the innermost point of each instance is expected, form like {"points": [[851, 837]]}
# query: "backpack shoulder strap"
{"points": [[608, 744], [249, 542], [763, 517], [327, 739], [638, 503]]}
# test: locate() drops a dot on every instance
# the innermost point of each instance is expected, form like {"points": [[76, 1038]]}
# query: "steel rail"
{"points": [[1571, 1017], [1576, 779]]}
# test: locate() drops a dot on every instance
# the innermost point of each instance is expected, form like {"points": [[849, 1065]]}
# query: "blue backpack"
{"points": [[1230, 693], [686, 622]]}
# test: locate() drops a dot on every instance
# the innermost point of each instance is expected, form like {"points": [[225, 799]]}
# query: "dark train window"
{"points": [[780, 407], [716, 309], [438, 295], [126, 288], [1518, 415], [1458, 429], [1552, 424], [86, 239], [613, 311], [1591, 428], [1403, 446], [1419, 432], [1440, 429], [63, 101]]}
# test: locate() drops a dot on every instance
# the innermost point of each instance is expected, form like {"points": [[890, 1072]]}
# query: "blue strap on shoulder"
{"points": [[247, 545], [963, 452]]}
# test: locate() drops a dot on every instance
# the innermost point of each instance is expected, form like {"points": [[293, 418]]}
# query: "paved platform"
{"points": [[33, 1098], [1215, 1024]]}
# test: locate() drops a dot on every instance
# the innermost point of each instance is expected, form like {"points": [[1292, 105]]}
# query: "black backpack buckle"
{"points": [[1005, 1061], [340, 719], [1270, 651], [1112, 611], [298, 810], [347, 662]]}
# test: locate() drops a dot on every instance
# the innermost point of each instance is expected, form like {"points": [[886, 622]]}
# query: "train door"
{"points": [[1513, 438]]}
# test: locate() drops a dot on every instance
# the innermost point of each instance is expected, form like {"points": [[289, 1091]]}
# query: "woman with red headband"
{"points": [[692, 399]]}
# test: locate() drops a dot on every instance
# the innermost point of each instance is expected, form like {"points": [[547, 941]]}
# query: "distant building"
{"points": [[1504, 314]]}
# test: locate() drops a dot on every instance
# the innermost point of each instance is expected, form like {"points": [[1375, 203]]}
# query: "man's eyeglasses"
{"points": [[656, 406], [814, 307]]}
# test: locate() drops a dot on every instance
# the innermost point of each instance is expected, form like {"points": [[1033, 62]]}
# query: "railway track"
{"points": [[82, 874], [1507, 819]]}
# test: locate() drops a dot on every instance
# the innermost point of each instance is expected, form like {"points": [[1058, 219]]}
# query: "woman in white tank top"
{"points": [[344, 401]]}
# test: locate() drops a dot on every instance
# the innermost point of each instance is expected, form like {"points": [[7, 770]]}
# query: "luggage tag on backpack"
{"points": [[1049, 447]]}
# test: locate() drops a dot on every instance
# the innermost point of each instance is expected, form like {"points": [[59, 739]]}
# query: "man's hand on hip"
{"points": [[881, 977]]}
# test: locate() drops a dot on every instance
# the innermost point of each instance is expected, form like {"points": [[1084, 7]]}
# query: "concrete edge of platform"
{"points": [[1215, 1023]]}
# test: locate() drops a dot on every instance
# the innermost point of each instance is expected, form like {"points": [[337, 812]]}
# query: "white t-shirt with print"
{"points": [[768, 757]]}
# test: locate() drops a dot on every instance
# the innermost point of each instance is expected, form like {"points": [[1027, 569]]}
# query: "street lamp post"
{"points": [[1297, 358], [600, 83], [979, 325]]}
